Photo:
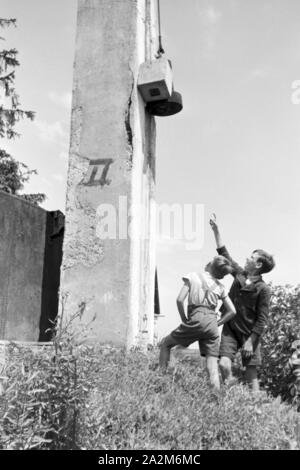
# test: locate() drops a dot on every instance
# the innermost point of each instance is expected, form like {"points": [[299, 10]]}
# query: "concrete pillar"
{"points": [[111, 161]]}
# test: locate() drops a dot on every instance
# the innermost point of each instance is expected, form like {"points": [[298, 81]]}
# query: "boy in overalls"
{"points": [[204, 291]]}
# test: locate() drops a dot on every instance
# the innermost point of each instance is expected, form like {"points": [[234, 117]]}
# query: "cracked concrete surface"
{"points": [[108, 123]]}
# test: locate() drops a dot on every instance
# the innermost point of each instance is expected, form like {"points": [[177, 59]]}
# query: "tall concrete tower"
{"points": [[111, 167]]}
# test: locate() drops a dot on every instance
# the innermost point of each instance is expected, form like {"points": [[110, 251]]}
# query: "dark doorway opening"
{"points": [[51, 273]]}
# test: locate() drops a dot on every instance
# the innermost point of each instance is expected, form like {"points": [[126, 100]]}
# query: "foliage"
{"points": [[13, 174], [43, 393], [133, 406], [282, 329], [7, 22], [11, 113], [71, 395]]}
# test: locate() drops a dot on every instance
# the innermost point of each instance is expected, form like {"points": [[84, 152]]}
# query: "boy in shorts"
{"points": [[204, 291], [251, 298]]}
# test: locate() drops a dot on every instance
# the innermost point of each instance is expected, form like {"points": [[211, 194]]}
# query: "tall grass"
{"points": [[133, 406], [82, 397]]}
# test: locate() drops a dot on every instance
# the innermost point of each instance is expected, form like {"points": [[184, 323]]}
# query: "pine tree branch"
{"points": [[9, 77], [5, 22], [9, 52], [13, 174], [9, 118], [8, 59], [7, 82], [14, 115]]}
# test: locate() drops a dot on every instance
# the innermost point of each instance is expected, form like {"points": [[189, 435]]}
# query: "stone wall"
{"points": [[30, 258]]}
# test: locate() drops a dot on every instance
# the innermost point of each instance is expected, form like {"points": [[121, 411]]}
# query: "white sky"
{"points": [[234, 148]]}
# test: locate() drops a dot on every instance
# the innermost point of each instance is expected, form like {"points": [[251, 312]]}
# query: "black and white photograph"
{"points": [[150, 229]]}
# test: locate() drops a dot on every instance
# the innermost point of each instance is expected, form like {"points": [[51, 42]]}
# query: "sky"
{"points": [[234, 148]]}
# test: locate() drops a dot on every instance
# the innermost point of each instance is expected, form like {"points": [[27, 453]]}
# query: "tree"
{"points": [[13, 174]]}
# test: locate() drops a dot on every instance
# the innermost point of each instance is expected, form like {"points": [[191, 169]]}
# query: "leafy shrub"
{"points": [[45, 389], [39, 406], [282, 329]]}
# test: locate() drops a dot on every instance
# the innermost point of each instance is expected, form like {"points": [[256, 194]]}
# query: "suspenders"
{"points": [[206, 287]]}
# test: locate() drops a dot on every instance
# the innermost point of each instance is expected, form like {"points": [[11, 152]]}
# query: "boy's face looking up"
{"points": [[252, 265]]}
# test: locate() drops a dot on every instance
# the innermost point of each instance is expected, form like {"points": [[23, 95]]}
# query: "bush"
{"points": [[40, 404], [46, 388], [282, 329]]}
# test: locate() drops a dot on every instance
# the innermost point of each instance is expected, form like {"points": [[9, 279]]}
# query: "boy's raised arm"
{"points": [[221, 248], [215, 229]]}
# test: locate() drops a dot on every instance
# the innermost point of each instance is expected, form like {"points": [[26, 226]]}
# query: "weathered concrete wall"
{"points": [[22, 242], [111, 155], [30, 258]]}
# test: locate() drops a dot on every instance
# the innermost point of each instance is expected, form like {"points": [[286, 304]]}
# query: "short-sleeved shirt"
{"points": [[204, 290]]}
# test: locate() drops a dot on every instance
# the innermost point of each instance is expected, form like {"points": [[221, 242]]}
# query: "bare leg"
{"points": [[213, 371], [226, 369], [165, 349], [251, 378]]}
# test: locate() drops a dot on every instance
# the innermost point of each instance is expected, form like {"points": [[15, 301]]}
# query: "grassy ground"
{"points": [[134, 406], [107, 399]]}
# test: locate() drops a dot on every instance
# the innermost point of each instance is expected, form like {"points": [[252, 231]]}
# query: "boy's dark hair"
{"points": [[266, 259], [220, 266]]}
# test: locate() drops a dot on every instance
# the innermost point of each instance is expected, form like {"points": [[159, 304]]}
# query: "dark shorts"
{"points": [[202, 326], [232, 341]]}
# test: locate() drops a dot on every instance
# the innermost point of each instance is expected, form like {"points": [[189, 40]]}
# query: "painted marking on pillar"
{"points": [[95, 165]]}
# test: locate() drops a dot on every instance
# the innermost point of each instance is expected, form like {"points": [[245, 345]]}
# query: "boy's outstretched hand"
{"points": [[213, 222], [215, 229]]}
